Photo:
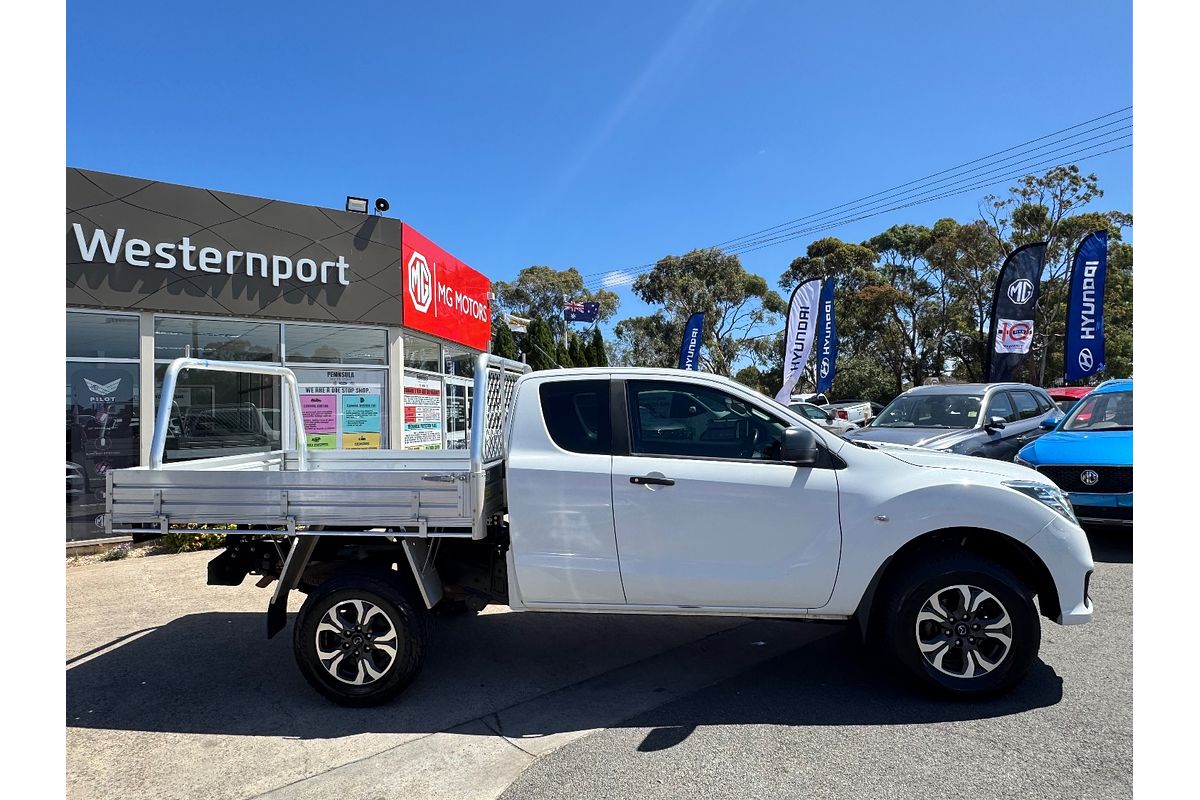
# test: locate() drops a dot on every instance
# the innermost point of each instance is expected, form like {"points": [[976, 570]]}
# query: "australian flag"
{"points": [[580, 312]]}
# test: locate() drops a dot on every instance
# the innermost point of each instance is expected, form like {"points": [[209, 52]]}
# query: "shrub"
{"points": [[197, 537], [116, 553]]}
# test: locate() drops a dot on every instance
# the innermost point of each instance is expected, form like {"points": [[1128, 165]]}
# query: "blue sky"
{"points": [[595, 135]]}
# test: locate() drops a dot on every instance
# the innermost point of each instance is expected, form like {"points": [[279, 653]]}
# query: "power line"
{"points": [[954, 169], [788, 230], [912, 198], [1074, 157], [939, 190], [965, 177]]}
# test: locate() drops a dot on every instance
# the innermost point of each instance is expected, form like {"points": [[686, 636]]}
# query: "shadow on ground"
{"points": [[1111, 545], [216, 673]]}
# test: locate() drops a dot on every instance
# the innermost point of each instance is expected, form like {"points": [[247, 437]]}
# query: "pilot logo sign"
{"points": [[1020, 291], [420, 282]]}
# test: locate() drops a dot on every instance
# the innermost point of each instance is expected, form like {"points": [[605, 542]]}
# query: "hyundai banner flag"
{"points": [[1085, 309], [693, 336], [827, 340], [1014, 309], [580, 312], [801, 326]]}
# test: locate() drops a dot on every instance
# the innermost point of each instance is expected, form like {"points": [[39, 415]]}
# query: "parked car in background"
{"points": [[826, 419], [1065, 397], [816, 399], [1089, 455], [993, 420], [859, 412]]}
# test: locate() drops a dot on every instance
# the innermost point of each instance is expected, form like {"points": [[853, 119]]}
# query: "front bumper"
{"points": [[1063, 547], [1103, 509]]}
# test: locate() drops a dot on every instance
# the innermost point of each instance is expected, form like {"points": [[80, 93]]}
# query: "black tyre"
{"points": [[358, 640], [960, 624]]}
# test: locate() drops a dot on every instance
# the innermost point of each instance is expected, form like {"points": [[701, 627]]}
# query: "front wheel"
{"points": [[358, 641], [962, 625]]}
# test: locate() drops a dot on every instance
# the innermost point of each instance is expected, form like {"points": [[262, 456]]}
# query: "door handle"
{"points": [[643, 480]]}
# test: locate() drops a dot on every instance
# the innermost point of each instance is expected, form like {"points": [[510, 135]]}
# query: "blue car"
{"points": [[1089, 454]]}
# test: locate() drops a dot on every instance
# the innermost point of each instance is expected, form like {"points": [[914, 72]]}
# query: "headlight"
{"points": [[1022, 462], [1050, 496]]}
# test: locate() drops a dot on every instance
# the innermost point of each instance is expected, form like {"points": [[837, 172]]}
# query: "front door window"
{"points": [[673, 419]]}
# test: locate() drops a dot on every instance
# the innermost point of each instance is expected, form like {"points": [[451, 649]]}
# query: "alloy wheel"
{"points": [[356, 642], [964, 631]]}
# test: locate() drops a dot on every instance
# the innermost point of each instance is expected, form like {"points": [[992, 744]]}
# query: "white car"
{"points": [[826, 419], [629, 491]]}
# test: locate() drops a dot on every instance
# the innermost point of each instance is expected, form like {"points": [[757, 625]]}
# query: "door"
{"points": [[559, 482], [706, 514], [1029, 416], [997, 442]]}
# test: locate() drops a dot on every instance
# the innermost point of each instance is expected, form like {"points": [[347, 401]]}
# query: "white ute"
{"points": [[632, 491]]}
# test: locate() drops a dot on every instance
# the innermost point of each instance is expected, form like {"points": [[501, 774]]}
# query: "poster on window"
{"points": [[342, 409], [422, 413]]}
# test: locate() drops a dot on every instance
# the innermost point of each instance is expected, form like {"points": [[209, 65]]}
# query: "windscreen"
{"points": [[930, 411], [1108, 411]]}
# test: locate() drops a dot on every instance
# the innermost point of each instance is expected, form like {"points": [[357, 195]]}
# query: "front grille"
{"points": [[1113, 480], [1116, 514]]}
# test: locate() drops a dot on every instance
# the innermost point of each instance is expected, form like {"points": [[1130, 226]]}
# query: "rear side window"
{"points": [[1027, 407], [1044, 402], [576, 415]]}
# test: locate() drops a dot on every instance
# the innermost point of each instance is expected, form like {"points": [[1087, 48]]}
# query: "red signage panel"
{"points": [[442, 295]]}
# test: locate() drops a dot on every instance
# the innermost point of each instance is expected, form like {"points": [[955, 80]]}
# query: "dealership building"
{"points": [[380, 325]]}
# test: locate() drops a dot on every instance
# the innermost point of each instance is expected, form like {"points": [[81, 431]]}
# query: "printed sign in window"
{"points": [[340, 412], [422, 413]]}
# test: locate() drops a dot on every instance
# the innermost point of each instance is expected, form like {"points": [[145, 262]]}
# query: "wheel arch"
{"points": [[991, 544]]}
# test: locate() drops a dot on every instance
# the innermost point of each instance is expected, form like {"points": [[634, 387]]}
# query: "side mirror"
{"points": [[995, 424], [799, 447], [1050, 423]]}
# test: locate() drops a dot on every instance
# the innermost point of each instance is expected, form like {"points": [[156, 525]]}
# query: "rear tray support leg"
{"points": [[289, 578]]}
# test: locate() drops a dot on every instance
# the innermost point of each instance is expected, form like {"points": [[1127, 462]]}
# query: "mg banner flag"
{"points": [[1085, 309], [693, 335], [827, 340], [801, 327], [1014, 309]]}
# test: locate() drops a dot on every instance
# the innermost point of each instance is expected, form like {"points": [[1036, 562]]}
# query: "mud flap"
{"points": [[293, 568], [428, 580]]}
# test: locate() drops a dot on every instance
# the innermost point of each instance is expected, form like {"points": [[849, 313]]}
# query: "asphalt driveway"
{"points": [[174, 691]]}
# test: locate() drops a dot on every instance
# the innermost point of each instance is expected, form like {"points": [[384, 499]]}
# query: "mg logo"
{"points": [[420, 282], [1020, 291], [1089, 477], [1085, 359]]}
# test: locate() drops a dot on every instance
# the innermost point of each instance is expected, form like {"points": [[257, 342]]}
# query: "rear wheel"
{"points": [[962, 625], [358, 641]]}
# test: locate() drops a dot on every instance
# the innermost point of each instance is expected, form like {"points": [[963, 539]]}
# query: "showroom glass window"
{"points": [[220, 413], [102, 412], [459, 365], [343, 377], [332, 344], [424, 394]]}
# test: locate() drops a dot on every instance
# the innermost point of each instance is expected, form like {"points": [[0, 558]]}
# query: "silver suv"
{"points": [[993, 420]]}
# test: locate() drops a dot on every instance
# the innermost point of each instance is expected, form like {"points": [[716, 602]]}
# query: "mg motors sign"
{"points": [[443, 296]]}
